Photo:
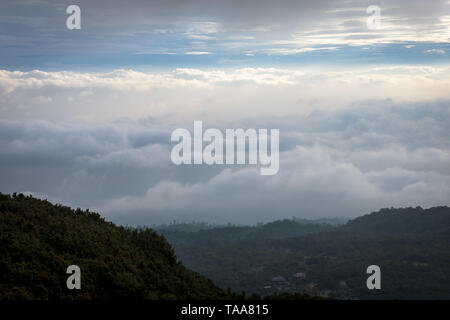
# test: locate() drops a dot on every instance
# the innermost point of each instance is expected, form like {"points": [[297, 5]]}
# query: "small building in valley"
{"points": [[299, 275]]}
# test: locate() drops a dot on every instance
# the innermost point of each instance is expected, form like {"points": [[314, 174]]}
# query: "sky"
{"points": [[86, 115]]}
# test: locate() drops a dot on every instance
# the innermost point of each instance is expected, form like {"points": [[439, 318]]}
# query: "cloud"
{"points": [[197, 53], [342, 162], [286, 51], [354, 138], [438, 51], [37, 37], [209, 94]]}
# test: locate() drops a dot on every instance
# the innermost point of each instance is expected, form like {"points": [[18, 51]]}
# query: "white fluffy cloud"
{"points": [[209, 94]]}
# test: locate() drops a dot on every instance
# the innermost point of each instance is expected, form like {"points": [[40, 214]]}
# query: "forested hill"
{"points": [[435, 220], [39, 240]]}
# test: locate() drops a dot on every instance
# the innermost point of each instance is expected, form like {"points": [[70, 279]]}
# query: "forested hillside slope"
{"points": [[39, 240]]}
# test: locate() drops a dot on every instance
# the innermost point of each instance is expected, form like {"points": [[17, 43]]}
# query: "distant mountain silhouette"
{"points": [[232, 234], [403, 220]]}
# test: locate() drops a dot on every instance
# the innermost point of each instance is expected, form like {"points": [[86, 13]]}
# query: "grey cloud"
{"points": [[335, 163], [139, 26]]}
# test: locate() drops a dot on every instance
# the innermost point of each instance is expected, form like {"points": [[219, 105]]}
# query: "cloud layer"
{"points": [[115, 33], [332, 163], [210, 94], [363, 113]]}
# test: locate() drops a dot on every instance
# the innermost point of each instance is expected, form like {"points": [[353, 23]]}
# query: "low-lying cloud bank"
{"points": [[342, 162]]}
